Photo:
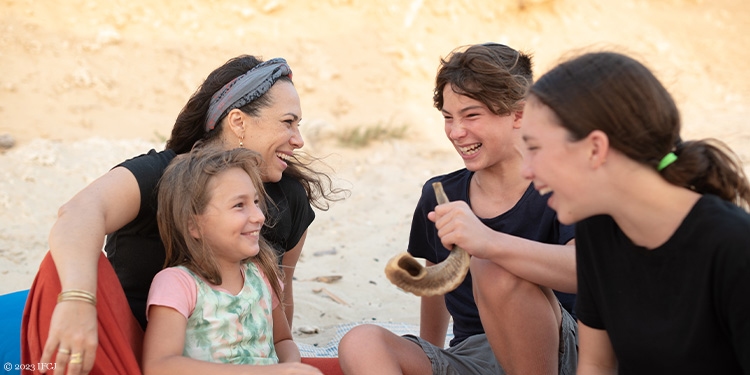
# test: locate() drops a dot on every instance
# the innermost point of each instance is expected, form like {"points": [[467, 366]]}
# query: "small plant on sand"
{"points": [[362, 136]]}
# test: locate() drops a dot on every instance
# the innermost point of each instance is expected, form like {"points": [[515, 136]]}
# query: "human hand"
{"points": [[458, 225], [72, 339]]}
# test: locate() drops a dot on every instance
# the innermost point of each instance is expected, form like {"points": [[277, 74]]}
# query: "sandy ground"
{"points": [[86, 84]]}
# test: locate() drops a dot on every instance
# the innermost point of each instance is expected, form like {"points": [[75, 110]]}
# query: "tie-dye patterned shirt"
{"points": [[221, 327]]}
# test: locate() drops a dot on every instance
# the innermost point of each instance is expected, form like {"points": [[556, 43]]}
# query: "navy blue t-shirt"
{"points": [[530, 218]]}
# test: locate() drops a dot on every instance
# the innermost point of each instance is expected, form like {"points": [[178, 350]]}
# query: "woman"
{"points": [[244, 103], [663, 242]]}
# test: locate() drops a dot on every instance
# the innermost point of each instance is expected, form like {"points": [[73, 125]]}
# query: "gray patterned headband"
{"points": [[245, 88]]}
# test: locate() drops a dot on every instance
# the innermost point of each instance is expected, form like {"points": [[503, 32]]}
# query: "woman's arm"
{"points": [[289, 263], [76, 241], [595, 353], [286, 349], [434, 318], [553, 266]]}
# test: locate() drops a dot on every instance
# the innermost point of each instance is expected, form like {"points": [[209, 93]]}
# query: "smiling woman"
{"points": [[245, 103]]}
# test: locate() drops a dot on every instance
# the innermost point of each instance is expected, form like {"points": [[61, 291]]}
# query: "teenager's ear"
{"points": [[599, 143]]}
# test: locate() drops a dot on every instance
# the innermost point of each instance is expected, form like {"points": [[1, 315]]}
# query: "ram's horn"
{"points": [[408, 274]]}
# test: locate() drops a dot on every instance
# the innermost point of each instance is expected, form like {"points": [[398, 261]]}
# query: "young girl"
{"points": [[663, 250], [217, 303]]}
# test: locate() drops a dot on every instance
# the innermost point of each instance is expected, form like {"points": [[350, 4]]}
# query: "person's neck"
{"points": [[495, 190], [232, 277], [647, 208]]}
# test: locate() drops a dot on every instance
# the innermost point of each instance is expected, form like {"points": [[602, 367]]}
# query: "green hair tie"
{"points": [[666, 161]]}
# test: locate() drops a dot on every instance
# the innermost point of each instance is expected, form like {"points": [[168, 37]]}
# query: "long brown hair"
{"points": [[183, 195], [620, 96]]}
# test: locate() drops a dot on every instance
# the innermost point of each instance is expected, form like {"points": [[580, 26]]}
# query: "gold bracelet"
{"points": [[77, 295]]}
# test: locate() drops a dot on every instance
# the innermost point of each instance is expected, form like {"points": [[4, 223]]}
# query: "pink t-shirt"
{"points": [[175, 288]]}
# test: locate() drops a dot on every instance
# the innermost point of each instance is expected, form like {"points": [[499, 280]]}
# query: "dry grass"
{"points": [[359, 137]]}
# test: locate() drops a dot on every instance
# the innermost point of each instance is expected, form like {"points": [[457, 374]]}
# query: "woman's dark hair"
{"points": [[491, 73], [618, 95], [189, 128]]}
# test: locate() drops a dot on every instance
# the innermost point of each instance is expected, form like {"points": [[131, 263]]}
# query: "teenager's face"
{"points": [[232, 220], [480, 137], [555, 164], [274, 133]]}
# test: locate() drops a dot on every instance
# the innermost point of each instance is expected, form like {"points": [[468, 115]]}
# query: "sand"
{"points": [[87, 84]]}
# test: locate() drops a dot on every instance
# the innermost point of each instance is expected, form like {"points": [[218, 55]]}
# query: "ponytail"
{"points": [[709, 167]]}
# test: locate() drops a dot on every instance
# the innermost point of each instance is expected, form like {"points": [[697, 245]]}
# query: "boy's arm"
{"points": [[434, 318]]}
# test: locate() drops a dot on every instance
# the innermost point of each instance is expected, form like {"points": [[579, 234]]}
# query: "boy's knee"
{"points": [[361, 344], [363, 334], [488, 275], [492, 282]]}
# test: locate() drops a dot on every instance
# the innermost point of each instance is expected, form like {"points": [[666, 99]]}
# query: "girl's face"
{"points": [[556, 165], [232, 220], [274, 133], [480, 137]]}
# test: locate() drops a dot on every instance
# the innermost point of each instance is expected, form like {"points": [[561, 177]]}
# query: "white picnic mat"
{"points": [[331, 349]]}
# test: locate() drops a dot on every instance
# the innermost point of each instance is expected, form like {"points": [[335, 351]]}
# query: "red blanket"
{"points": [[120, 335]]}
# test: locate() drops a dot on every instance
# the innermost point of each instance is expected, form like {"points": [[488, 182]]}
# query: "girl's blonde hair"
{"points": [[183, 195]]}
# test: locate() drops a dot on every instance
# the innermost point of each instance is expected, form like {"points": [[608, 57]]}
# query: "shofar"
{"points": [[408, 274]]}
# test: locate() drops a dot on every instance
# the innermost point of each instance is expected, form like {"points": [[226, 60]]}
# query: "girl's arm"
{"points": [[595, 353], [289, 263], [165, 339], [76, 240], [434, 318], [286, 348]]}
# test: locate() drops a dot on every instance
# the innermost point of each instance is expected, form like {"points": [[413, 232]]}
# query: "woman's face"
{"points": [[274, 133], [556, 165]]}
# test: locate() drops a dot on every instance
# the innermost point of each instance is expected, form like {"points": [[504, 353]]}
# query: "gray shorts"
{"points": [[474, 355]]}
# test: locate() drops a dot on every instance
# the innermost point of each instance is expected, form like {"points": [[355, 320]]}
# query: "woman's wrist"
{"points": [[76, 295]]}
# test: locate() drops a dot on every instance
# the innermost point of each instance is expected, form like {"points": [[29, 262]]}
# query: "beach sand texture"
{"points": [[87, 84]]}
